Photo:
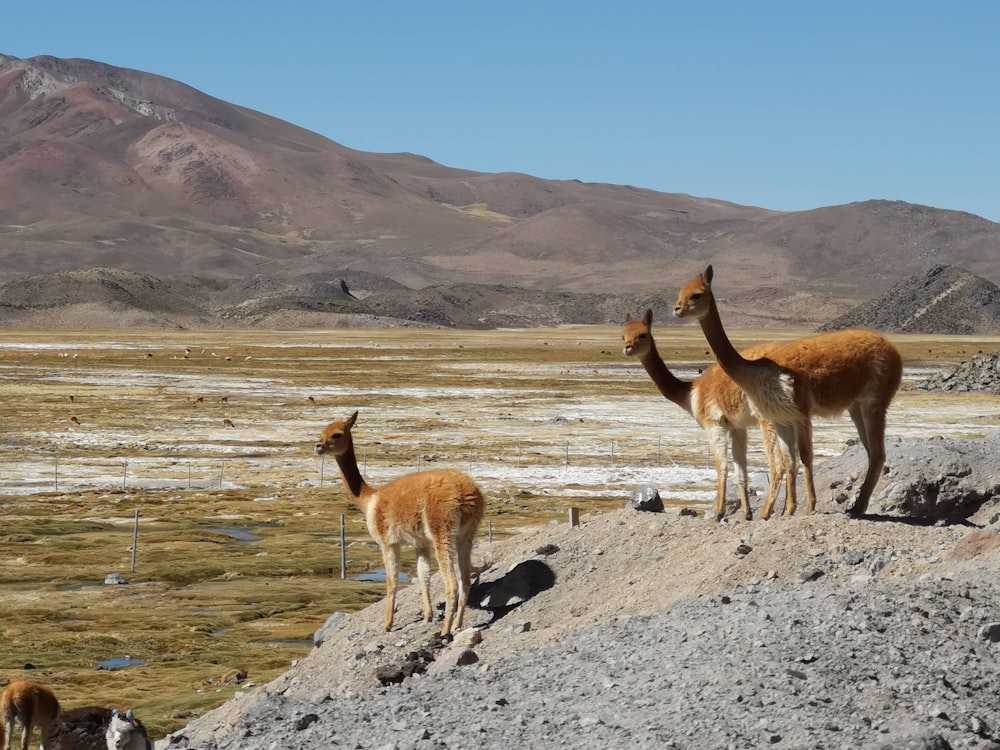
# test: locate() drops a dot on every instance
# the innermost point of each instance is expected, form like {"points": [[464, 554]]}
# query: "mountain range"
{"points": [[128, 192]]}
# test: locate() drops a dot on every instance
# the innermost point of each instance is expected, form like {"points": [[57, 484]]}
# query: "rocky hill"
{"points": [[112, 168], [945, 299]]}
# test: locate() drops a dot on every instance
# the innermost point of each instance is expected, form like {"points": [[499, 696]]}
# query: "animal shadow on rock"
{"points": [[507, 593]]}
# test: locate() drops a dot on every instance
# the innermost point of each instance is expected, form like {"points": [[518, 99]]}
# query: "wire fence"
{"points": [[165, 473]]}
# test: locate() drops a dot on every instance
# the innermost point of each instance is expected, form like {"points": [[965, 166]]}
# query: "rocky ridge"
{"points": [[944, 299]]}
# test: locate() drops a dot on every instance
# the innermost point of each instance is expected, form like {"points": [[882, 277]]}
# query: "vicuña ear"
{"points": [[351, 420], [707, 275], [648, 317]]}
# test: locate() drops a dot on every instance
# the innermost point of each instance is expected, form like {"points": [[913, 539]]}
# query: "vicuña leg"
{"points": [[390, 559], [718, 440], [445, 551], [464, 553], [739, 450], [806, 455], [789, 437], [424, 577], [871, 428]]}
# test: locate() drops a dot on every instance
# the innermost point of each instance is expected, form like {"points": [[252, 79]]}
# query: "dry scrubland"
{"points": [[237, 562]]}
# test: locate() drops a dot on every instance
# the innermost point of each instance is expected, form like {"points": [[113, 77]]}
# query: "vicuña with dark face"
{"points": [[856, 370], [439, 509]]}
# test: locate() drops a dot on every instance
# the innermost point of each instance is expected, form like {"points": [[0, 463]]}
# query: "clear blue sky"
{"points": [[785, 105]]}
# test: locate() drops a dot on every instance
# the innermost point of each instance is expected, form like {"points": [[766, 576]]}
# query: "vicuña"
{"points": [[441, 508], [856, 370], [32, 705], [722, 410]]}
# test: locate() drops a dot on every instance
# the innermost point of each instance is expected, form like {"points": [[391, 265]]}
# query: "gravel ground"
{"points": [[670, 631], [804, 665]]}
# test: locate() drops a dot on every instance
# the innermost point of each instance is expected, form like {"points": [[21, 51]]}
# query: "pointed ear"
{"points": [[648, 317], [707, 275], [628, 317], [351, 420]]}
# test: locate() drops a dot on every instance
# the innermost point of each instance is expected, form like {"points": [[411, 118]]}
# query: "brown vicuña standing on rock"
{"points": [[440, 508], [856, 369], [29, 703], [720, 407]]}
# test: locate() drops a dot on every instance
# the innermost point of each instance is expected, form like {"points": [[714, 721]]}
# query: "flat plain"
{"points": [[207, 438]]}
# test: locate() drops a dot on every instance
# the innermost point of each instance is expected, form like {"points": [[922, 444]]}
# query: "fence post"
{"points": [[343, 548], [574, 517], [135, 539]]}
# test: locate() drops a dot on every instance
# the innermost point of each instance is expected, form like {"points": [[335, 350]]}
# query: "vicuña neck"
{"points": [[735, 365], [672, 388], [355, 483]]}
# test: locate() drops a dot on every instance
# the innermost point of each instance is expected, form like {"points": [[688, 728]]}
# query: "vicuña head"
{"points": [[439, 509], [856, 370]]}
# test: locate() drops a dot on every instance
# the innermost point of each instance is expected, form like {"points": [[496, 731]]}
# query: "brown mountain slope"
{"points": [[115, 168]]}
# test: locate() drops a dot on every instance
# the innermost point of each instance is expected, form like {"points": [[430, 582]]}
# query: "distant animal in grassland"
{"points": [[441, 508], [228, 423], [31, 705], [96, 728], [74, 420]]}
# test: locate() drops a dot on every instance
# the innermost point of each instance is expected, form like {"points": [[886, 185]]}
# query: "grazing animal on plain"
{"points": [[857, 370], [438, 509], [720, 408], [96, 728], [30, 704]]}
